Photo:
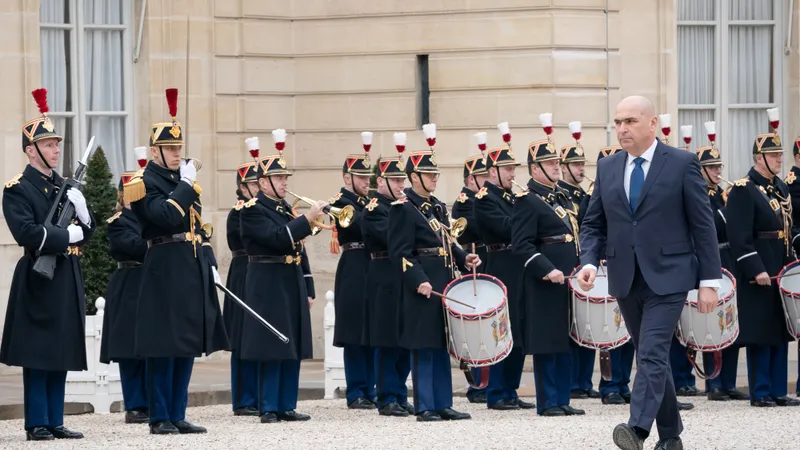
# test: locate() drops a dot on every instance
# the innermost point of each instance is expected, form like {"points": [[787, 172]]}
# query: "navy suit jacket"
{"points": [[671, 235]]}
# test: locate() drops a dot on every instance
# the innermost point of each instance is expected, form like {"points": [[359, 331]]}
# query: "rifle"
{"points": [[45, 265]]}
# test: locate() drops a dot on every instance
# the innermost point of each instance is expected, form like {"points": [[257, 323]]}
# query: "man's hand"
{"points": [[79, 202], [425, 289], [188, 172], [75, 233], [556, 276], [707, 299], [310, 302], [762, 279], [586, 278], [316, 210], [473, 260]]}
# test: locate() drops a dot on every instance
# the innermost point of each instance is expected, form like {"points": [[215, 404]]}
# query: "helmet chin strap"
{"points": [[422, 183], [545, 173], [769, 169], [574, 178], [41, 157], [274, 191], [499, 178]]}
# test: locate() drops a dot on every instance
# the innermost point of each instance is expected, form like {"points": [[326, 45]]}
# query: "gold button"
{"points": [[568, 237]]}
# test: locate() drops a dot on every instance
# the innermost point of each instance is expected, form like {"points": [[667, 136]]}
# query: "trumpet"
{"points": [[343, 215], [316, 225], [457, 228]]}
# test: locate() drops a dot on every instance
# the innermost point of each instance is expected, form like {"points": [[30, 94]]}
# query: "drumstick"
{"points": [[452, 299], [575, 276], [778, 276], [474, 275]]}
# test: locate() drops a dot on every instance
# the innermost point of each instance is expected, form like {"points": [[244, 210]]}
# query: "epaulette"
{"points": [[239, 205], [14, 181], [373, 203], [335, 198], [399, 202], [741, 182], [482, 193], [134, 189], [790, 178], [462, 198], [250, 203], [522, 194], [114, 217]]}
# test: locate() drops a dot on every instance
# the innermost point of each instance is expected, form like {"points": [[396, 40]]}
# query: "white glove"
{"points": [[188, 172], [75, 233], [217, 279], [79, 202]]}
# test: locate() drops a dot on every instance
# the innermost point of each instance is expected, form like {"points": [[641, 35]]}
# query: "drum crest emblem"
{"points": [[500, 329], [729, 317], [617, 318], [721, 315]]}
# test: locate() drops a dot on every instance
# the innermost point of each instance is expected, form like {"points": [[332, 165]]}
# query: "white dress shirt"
{"points": [[629, 166]]}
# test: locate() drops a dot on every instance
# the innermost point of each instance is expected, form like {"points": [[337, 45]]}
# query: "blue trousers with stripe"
{"points": [[392, 366], [582, 367], [621, 365], [552, 373], [767, 370], [432, 378], [278, 384], [168, 388], [43, 394], [133, 377], [359, 372], [727, 375], [504, 377], [244, 382], [681, 367]]}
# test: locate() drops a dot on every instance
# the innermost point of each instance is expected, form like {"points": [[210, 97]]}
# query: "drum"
{"points": [[714, 331], [597, 321], [789, 283], [477, 337]]}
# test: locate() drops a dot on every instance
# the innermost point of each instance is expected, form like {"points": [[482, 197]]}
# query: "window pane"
{"points": [[697, 119], [746, 124], [750, 9], [103, 12], [56, 70], [696, 53], [750, 68], [109, 134], [54, 11], [103, 62], [696, 10]]}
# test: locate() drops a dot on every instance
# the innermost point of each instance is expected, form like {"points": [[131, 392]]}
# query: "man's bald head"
{"points": [[636, 123]]}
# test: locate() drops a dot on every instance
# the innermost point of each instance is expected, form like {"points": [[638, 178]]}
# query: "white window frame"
{"points": [[78, 28], [723, 104]]}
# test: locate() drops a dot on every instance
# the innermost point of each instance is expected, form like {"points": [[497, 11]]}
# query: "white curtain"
{"points": [[104, 81], [750, 79], [55, 70]]}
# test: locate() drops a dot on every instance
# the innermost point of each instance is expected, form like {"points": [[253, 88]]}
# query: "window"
{"points": [[86, 69], [730, 71]]}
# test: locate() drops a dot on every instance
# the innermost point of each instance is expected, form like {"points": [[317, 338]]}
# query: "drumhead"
{"points": [[491, 294], [727, 288], [790, 285], [598, 292]]}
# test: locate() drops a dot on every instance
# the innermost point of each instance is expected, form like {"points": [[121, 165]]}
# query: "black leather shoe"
{"points": [[523, 404], [592, 393], [408, 407], [163, 427], [292, 416], [452, 414], [394, 410], [62, 432], [477, 398], [429, 416], [136, 416], [687, 391], [361, 403], [613, 398], [626, 438], [269, 417], [669, 444], [685, 406], [553, 412], [246, 411], [39, 434], [787, 401], [578, 394], [718, 395], [185, 427], [503, 405], [570, 411], [736, 394], [763, 402], [626, 396]]}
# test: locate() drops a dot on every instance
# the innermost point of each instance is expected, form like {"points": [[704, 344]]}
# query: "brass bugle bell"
{"points": [[343, 215], [457, 228], [196, 162]]}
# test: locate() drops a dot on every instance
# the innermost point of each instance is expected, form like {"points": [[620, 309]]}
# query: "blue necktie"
{"points": [[637, 181]]}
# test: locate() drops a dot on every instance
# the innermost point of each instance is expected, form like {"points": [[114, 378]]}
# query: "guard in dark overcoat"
{"points": [[128, 248], [474, 176], [759, 212], [45, 318], [429, 257], [179, 316], [393, 362], [351, 331], [278, 287], [722, 387], [244, 374], [544, 237], [494, 205]]}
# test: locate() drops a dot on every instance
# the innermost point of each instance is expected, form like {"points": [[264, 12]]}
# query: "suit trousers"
{"points": [[392, 366], [244, 382], [621, 367], [168, 388], [43, 397], [651, 320]]}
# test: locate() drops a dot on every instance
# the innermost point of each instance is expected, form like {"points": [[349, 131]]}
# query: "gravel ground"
{"points": [[730, 425]]}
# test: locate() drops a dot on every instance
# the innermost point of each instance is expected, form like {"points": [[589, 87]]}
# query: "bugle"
{"points": [[196, 162], [343, 215], [457, 228], [523, 189], [317, 225]]}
